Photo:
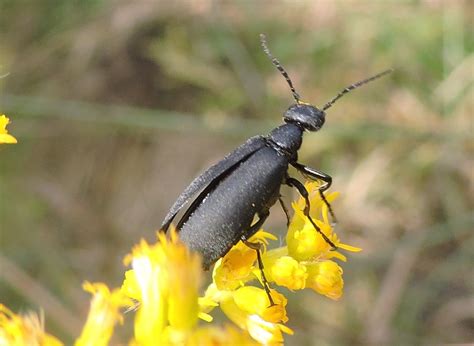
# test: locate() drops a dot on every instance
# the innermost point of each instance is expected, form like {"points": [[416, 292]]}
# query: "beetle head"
{"points": [[307, 116], [301, 113]]}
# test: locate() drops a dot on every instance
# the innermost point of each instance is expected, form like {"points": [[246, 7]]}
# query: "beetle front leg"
{"points": [[304, 193], [314, 174]]}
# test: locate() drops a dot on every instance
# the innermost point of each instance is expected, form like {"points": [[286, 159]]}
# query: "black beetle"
{"points": [[247, 182]]}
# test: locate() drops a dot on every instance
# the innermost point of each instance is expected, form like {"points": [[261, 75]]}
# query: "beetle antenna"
{"points": [[263, 41], [355, 86]]}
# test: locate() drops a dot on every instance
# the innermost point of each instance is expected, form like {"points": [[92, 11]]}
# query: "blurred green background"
{"points": [[117, 105]]}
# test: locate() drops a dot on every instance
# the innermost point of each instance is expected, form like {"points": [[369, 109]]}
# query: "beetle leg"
{"points": [[258, 247], [285, 209], [303, 192], [314, 174]]}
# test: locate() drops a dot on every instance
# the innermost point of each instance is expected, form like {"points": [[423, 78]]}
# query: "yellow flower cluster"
{"points": [[306, 262], [163, 289], [165, 282], [246, 306]]}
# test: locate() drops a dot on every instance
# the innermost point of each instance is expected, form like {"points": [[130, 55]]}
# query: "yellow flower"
{"points": [[304, 242], [27, 330], [249, 308], [104, 313], [5, 137], [325, 278], [237, 266], [234, 268], [254, 300], [266, 333], [288, 272], [165, 280]]}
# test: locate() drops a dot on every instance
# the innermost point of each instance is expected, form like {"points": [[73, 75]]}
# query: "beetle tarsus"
{"points": [[331, 212]]}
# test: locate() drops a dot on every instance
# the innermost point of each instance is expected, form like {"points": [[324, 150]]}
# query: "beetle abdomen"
{"points": [[222, 216]]}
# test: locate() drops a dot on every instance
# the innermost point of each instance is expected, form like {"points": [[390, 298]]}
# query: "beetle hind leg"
{"points": [[258, 248]]}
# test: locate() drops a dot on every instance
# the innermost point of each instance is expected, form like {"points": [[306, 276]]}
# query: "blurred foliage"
{"points": [[117, 105]]}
